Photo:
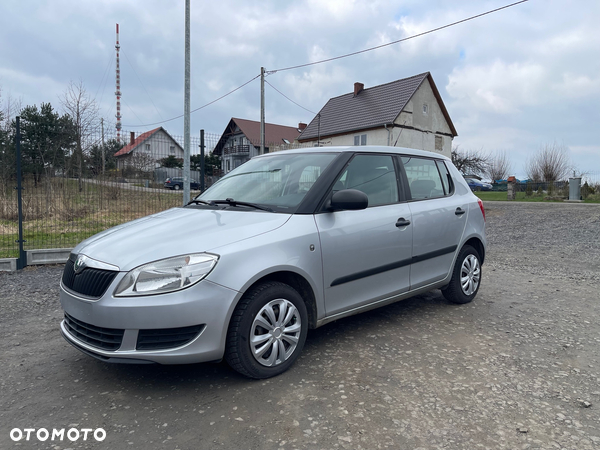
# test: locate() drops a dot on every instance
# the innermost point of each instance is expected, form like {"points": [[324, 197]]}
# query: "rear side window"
{"points": [[375, 175], [424, 178]]}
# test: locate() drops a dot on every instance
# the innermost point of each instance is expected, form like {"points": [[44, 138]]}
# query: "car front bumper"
{"points": [[182, 327]]}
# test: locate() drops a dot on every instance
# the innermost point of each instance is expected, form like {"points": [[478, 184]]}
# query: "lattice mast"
{"points": [[118, 91]]}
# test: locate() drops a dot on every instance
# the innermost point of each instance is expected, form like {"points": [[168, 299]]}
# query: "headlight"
{"points": [[166, 275]]}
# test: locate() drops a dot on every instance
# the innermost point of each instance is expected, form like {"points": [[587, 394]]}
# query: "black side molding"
{"points": [[392, 266]]}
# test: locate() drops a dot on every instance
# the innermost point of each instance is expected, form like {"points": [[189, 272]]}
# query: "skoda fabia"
{"points": [[284, 243]]}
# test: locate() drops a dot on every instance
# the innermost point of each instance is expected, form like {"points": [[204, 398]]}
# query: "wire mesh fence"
{"points": [[71, 193]]}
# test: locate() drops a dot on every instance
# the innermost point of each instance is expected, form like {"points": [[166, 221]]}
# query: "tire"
{"points": [[176, 187], [258, 316], [466, 277]]}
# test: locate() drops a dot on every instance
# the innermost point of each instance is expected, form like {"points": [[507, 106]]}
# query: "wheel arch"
{"points": [[477, 245], [300, 284]]}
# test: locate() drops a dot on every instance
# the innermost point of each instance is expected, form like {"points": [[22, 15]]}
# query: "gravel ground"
{"points": [[519, 368]]}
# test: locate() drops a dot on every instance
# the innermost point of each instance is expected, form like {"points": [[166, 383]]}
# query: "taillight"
{"points": [[481, 207]]}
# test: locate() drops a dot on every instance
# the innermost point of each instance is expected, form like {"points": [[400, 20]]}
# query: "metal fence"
{"points": [[590, 188], [70, 191]]}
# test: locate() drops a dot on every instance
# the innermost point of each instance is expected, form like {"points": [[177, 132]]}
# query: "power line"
{"points": [[397, 41], [197, 109], [306, 109]]}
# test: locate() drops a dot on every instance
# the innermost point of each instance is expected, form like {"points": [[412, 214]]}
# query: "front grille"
{"points": [[167, 337], [89, 282], [99, 337]]}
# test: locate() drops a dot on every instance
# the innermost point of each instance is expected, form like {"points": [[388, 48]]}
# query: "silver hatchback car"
{"points": [[286, 242]]}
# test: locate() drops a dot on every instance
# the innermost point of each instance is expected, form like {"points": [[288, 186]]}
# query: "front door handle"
{"points": [[459, 211], [402, 222]]}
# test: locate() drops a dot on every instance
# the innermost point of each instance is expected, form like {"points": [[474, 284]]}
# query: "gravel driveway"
{"points": [[519, 368]]}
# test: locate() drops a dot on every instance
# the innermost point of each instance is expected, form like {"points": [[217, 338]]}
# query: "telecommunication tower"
{"points": [[118, 91]]}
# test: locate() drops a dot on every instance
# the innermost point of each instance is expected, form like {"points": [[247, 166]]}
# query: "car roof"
{"points": [[361, 149]]}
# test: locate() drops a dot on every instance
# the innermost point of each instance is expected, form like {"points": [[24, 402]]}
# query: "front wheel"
{"points": [[176, 187], [466, 277], [267, 331]]}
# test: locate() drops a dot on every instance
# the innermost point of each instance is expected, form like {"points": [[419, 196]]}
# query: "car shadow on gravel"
{"points": [[154, 378]]}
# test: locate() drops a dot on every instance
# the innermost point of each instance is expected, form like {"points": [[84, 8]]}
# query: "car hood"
{"points": [[175, 232]]}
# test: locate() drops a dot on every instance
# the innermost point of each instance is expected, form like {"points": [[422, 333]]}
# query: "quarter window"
{"points": [[423, 178], [446, 178]]}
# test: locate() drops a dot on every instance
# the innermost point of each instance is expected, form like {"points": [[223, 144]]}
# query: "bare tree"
{"points": [[470, 162], [141, 162], [499, 166], [84, 113], [551, 163]]}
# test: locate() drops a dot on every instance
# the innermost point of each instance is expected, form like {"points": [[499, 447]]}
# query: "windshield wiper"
{"points": [[232, 202], [200, 201]]}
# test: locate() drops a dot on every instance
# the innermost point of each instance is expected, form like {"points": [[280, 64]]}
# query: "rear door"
{"points": [[438, 216], [366, 253]]}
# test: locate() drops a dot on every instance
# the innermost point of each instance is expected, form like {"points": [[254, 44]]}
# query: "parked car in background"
{"points": [[287, 242], [477, 185], [176, 183]]}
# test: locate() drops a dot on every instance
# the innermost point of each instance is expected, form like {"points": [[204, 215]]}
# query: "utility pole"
{"points": [[202, 171], [186, 108], [262, 110], [103, 157]]}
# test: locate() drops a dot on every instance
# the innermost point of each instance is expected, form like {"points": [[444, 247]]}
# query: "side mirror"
{"points": [[349, 199]]}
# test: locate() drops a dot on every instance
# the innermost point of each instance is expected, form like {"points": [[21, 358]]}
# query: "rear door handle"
{"points": [[402, 222], [459, 212]]}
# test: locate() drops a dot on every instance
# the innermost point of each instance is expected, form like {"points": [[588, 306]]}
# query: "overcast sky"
{"points": [[513, 80]]}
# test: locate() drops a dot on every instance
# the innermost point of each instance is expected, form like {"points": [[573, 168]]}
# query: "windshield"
{"points": [[280, 181]]}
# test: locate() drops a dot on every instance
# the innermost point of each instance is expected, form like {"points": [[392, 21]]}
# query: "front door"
{"points": [[366, 253]]}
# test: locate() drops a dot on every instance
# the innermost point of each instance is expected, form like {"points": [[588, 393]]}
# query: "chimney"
{"points": [[357, 88], [132, 137], [301, 126]]}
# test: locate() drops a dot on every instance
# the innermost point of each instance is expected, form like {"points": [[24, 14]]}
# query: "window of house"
{"points": [[360, 139], [423, 178], [439, 142], [172, 150], [375, 175], [228, 165], [425, 108], [148, 148]]}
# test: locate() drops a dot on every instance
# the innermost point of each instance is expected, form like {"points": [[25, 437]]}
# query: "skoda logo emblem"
{"points": [[80, 263]]}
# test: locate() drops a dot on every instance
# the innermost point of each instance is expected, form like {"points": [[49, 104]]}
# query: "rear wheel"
{"points": [[176, 187], [267, 331], [466, 277]]}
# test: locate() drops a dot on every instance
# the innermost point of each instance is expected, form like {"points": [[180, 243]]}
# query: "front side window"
{"points": [[374, 175], [423, 178], [279, 181]]}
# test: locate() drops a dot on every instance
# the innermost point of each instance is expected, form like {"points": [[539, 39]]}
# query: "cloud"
{"points": [[498, 87]]}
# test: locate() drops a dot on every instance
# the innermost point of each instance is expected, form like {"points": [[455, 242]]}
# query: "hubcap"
{"points": [[470, 274], [275, 332]]}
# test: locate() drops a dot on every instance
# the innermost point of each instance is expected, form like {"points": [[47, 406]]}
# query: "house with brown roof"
{"points": [[144, 152], [241, 141], [405, 113]]}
